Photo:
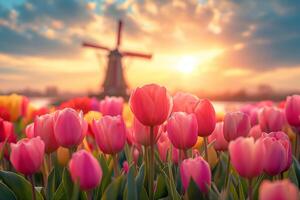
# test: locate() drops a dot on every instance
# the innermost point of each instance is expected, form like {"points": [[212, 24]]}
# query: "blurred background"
{"points": [[223, 50]]}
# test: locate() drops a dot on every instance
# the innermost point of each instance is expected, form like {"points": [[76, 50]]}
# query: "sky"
{"points": [[197, 45]]}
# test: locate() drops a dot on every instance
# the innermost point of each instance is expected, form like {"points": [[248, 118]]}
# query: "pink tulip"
{"points": [[151, 104], [112, 106], [198, 170], [141, 133], [29, 130], [279, 143], [125, 167], [85, 170], [27, 155], [278, 190], [182, 130], [255, 132], [246, 156], [43, 127], [292, 110], [271, 119], [220, 144], [236, 124], [164, 145], [206, 117], [135, 155], [184, 102], [110, 133], [7, 131], [69, 127]]}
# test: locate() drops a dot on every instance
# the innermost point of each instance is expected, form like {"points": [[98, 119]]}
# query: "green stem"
{"points": [[152, 164], [30, 177], [227, 171], [205, 148], [115, 160], [75, 192], [250, 195]]}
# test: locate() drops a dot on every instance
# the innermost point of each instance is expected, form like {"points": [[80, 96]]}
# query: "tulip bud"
{"points": [[27, 155], [164, 145], [29, 130], [236, 124], [141, 133], [110, 133], [198, 170], [184, 102], [220, 144], [255, 132], [206, 117], [151, 104], [112, 106], [281, 190], [85, 170], [271, 119], [43, 127], [182, 130], [69, 127], [245, 155], [292, 110]]}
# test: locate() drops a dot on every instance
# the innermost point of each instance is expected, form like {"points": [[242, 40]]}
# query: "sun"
{"points": [[187, 64]]}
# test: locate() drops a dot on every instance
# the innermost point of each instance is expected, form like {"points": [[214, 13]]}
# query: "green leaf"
{"points": [[6, 193], [107, 169], [51, 186], [161, 188], [131, 185], [60, 193], [113, 190], [67, 183], [295, 177], [19, 185], [194, 192]]}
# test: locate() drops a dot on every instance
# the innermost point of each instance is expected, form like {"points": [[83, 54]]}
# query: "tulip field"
{"points": [[155, 146]]}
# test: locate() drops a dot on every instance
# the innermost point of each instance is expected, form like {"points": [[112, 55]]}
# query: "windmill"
{"points": [[114, 83]]}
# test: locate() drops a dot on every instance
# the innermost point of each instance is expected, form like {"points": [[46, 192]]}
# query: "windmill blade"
{"points": [[120, 25], [96, 46], [134, 54]]}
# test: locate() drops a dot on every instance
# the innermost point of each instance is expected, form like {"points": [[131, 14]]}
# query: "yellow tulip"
{"points": [[63, 156], [127, 115], [13, 103], [92, 115]]}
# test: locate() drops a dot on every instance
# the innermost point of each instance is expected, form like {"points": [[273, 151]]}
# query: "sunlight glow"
{"points": [[186, 64]]}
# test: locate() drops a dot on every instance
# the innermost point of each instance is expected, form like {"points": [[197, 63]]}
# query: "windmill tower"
{"points": [[114, 83]]}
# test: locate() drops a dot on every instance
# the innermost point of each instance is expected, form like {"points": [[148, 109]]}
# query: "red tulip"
{"points": [[43, 127], [220, 143], [246, 156], [182, 130], [278, 190], [4, 113], [85, 170], [112, 106], [198, 170], [278, 152], [141, 133], [206, 117], [292, 110], [151, 104], [69, 127], [7, 131], [27, 155], [236, 124], [271, 119], [184, 102], [110, 133]]}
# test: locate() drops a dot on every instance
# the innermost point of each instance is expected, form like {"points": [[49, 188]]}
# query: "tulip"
{"points": [[69, 127], [184, 102], [29, 130], [112, 106], [125, 167], [63, 156], [4, 113], [206, 117], [7, 131], [278, 152], [236, 124], [245, 155], [85, 170], [182, 130], [220, 144], [255, 132], [27, 155], [164, 145], [135, 155], [271, 119], [43, 127], [151, 104], [292, 110], [198, 170], [110, 133], [279, 190], [141, 133]]}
